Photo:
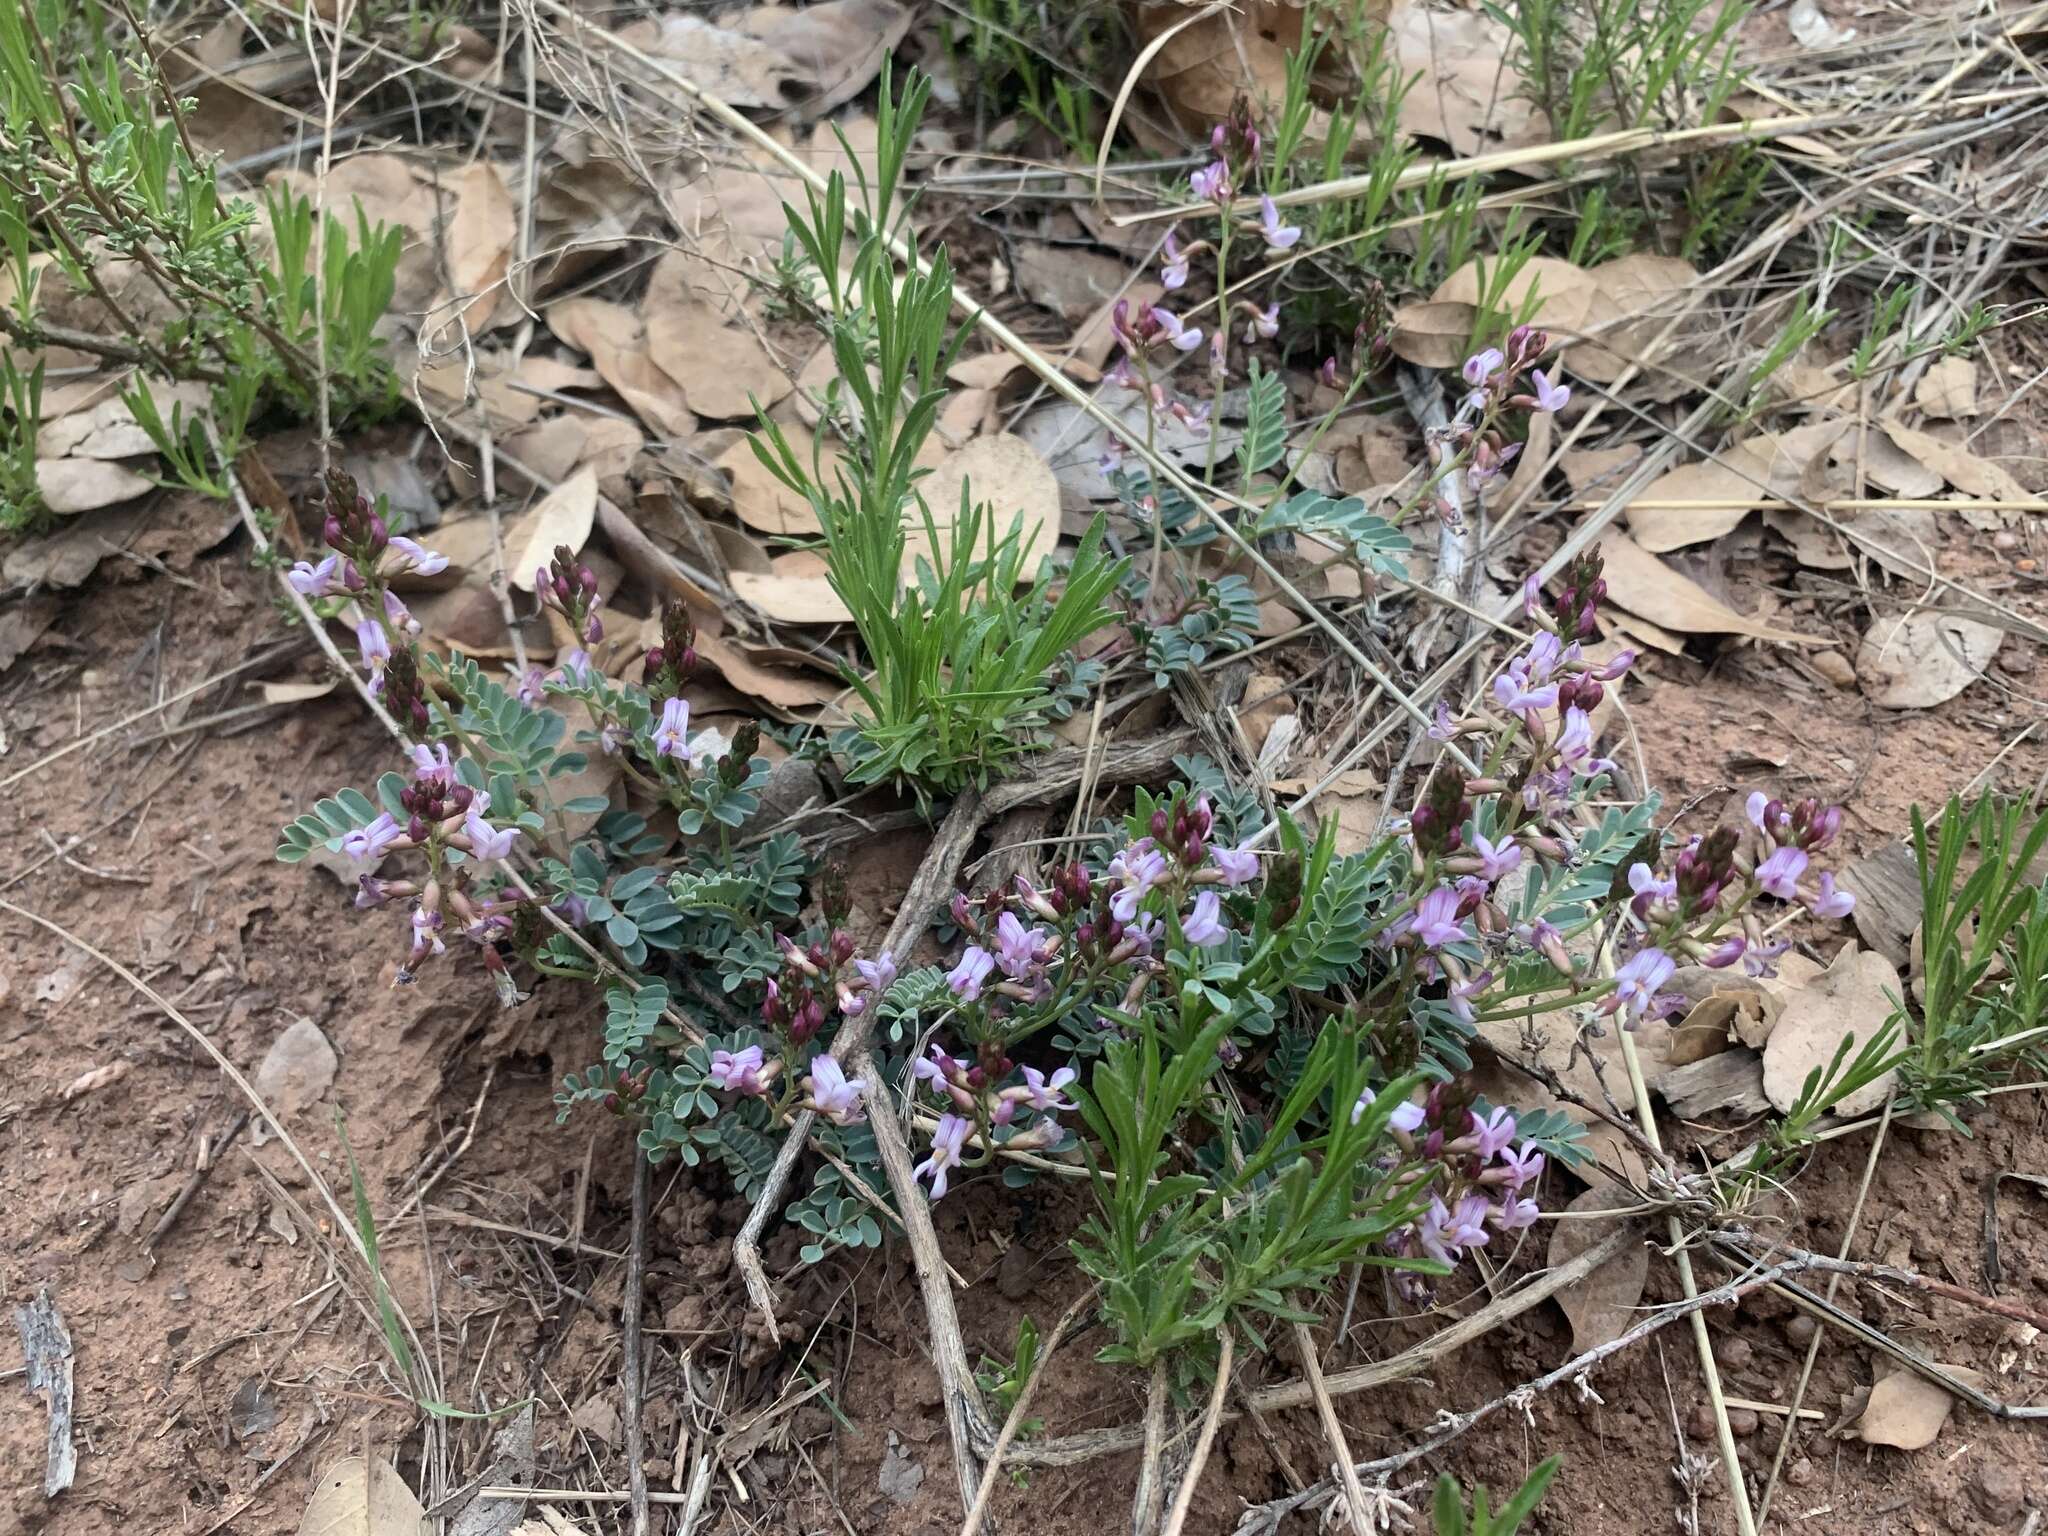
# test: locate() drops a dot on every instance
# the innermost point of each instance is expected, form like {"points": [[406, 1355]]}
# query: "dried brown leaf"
{"points": [[1852, 997], [1948, 390], [1466, 96], [1638, 581], [740, 70], [794, 591], [1921, 658], [1005, 475], [724, 371], [481, 235], [839, 44], [562, 517], [1958, 465], [358, 1497], [1600, 1307], [617, 346], [1907, 1412]]}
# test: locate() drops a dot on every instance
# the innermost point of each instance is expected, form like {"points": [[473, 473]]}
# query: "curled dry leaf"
{"points": [[611, 334], [563, 516], [724, 371], [82, 485], [1601, 1306], [1948, 390], [795, 590], [481, 235], [1924, 657], [1465, 96], [1205, 67], [1726, 485], [1004, 475], [1906, 1411], [740, 70], [839, 44], [1638, 581], [1626, 312], [1436, 333], [763, 502], [1852, 997], [1958, 465], [362, 1497]]}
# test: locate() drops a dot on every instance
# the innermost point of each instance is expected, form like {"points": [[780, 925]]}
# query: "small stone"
{"points": [[1699, 1424], [2005, 541], [1742, 1422], [1835, 667], [1800, 1329], [1998, 1491], [2016, 661], [1735, 1354], [1016, 1272], [1801, 1473]]}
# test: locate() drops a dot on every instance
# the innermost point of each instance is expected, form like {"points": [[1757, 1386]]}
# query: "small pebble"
{"points": [[1700, 1422], [1801, 1473], [1735, 1354], [2027, 564], [1836, 668], [1742, 1422], [1799, 1329], [2005, 540]]}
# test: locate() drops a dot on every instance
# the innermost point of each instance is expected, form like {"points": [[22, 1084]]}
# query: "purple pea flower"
{"points": [[967, 977], [1203, 926], [1779, 874], [1550, 396], [1492, 1134], [485, 841], [375, 649], [1185, 338], [1496, 860], [1575, 744], [1238, 866], [310, 580], [1512, 1214], [1173, 272], [1266, 324], [947, 1143], [1436, 918], [1726, 953], [1523, 1165], [1212, 182], [1832, 901], [1636, 983], [365, 845], [878, 974], [1042, 1093], [1481, 365], [1648, 888], [1407, 1116], [414, 556], [1017, 947], [1515, 695], [737, 1071], [832, 1094], [1136, 869], [426, 935], [1279, 237], [672, 735]]}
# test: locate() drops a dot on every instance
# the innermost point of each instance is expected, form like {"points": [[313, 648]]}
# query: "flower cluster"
{"points": [[364, 556], [1086, 940], [1478, 1181]]}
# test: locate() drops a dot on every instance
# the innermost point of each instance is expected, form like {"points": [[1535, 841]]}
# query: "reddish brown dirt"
{"points": [[174, 877]]}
